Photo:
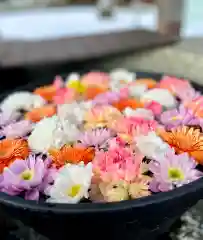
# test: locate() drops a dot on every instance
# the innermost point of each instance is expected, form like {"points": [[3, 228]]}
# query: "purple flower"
{"points": [[106, 98], [172, 171], [8, 117], [29, 176], [177, 117], [95, 137], [17, 129]]}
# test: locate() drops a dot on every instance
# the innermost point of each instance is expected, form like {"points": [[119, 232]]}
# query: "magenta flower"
{"points": [[172, 171], [8, 117], [177, 117], [29, 176], [17, 129], [95, 137]]}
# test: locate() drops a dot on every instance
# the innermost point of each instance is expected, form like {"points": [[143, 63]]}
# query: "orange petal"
{"points": [[39, 113], [124, 103], [91, 92], [47, 92], [151, 83]]}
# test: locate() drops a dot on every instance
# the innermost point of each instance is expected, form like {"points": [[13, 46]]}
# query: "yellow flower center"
{"points": [[175, 174], [77, 85], [27, 175], [176, 118], [74, 190]]}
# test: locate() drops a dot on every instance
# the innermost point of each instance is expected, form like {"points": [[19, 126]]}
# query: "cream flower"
{"points": [[162, 96], [71, 184], [139, 112], [52, 133], [151, 145], [22, 100], [136, 91]]}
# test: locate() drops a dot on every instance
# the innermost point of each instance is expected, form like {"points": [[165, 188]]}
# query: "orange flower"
{"points": [[124, 103], [92, 91], [47, 92], [151, 83], [196, 105], [73, 155], [39, 113], [185, 139], [10, 150]]}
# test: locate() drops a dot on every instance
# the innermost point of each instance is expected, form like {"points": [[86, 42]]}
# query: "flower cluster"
{"points": [[100, 137]]}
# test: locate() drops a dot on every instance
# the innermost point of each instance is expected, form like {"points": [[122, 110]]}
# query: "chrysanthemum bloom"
{"points": [[71, 184], [94, 137], [100, 116], [149, 82], [72, 155], [139, 112], [17, 129], [196, 106], [10, 150], [96, 79], [26, 176], [8, 117], [185, 139], [21, 101], [122, 104], [172, 171], [154, 106], [179, 117], [117, 164], [38, 114]]}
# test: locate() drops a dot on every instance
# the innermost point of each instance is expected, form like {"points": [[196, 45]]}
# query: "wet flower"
{"points": [[10, 150], [17, 129], [162, 96], [21, 101], [95, 137], [96, 79], [38, 114], [72, 155], [71, 184], [172, 171], [139, 112], [25, 176], [178, 117], [8, 117], [185, 139], [140, 187]]}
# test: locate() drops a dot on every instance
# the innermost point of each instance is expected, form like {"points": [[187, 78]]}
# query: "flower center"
{"points": [[74, 190], [27, 175], [175, 174], [176, 118]]}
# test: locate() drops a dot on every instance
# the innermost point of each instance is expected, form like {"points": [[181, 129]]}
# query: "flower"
{"points": [[10, 150], [107, 98], [195, 106], [172, 171], [96, 79], [124, 103], [65, 95], [162, 96], [185, 139], [148, 82], [187, 95], [154, 106], [139, 112], [92, 92], [178, 117], [21, 101], [72, 77], [17, 129], [8, 117], [25, 176], [94, 137], [117, 164], [155, 145], [72, 155], [140, 187], [71, 184], [52, 133], [38, 114], [76, 85], [137, 90]]}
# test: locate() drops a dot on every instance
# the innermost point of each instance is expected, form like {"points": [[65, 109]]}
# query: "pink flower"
{"points": [[172, 171], [177, 117], [58, 82], [154, 106], [64, 95], [117, 164], [187, 95], [8, 117]]}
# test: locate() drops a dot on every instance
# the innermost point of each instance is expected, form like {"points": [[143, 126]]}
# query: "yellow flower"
{"points": [[76, 85]]}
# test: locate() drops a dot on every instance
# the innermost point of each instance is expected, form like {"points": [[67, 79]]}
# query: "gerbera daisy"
{"points": [[10, 150], [72, 155], [185, 139]]}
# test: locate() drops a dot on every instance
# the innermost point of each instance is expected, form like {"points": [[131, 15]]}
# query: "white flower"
{"points": [[22, 100], [139, 112], [151, 145], [136, 91], [72, 77], [52, 133], [162, 96], [71, 184]]}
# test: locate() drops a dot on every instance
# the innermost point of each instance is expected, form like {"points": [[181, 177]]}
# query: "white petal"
{"points": [[139, 112]]}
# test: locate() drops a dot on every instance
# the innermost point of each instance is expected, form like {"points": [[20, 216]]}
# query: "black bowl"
{"points": [[135, 219]]}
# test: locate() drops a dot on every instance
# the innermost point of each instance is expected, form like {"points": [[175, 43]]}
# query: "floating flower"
{"points": [[185, 139], [72, 155], [148, 82], [139, 112], [8, 117], [125, 103], [25, 176], [17, 129], [172, 171], [65, 95], [162, 96], [117, 164], [95, 137], [71, 184], [154, 106], [151, 145], [52, 133], [21, 101], [38, 114], [178, 117], [96, 79], [10, 150], [140, 187]]}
